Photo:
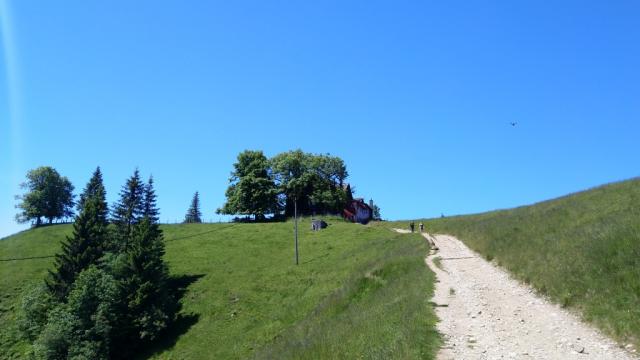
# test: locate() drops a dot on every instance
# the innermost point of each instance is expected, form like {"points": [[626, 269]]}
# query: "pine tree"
{"points": [[149, 202], [128, 211], [88, 242], [149, 304], [193, 214], [95, 187]]}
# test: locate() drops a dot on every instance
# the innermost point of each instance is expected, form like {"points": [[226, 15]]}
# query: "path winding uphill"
{"points": [[485, 314]]}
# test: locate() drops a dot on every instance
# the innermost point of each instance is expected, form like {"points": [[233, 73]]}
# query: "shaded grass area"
{"points": [[358, 291], [582, 250]]}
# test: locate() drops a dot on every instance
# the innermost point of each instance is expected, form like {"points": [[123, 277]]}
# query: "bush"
{"points": [[81, 328], [36, 303]]}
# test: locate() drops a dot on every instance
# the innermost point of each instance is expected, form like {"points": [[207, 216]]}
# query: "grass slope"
{"points": [[359, 291], [582, 250]]}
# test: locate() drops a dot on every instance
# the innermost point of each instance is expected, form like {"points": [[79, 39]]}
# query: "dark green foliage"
{"points": [[49, 195], [107, 312], [95, 188], [36, 304], [252, 190], [314, 181], [87, 245], [129, 210], [150, 209], [142, 276], [260, 186], [145, 282], [82, 327], [193, 214]]}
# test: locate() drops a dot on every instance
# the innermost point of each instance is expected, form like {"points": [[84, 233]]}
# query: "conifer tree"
{"points": [[144, 276], [149, 202], [88, 242], [145, 283], [193, 214], [128, 211], [95, 187]]}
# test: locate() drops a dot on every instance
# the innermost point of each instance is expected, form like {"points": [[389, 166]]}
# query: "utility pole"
{"points": [[295, 217]]}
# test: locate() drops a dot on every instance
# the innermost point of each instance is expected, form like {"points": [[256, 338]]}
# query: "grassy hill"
{"points": [[581, 250], [359, 291]]}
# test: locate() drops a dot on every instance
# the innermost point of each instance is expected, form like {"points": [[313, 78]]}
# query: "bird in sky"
{"points": [[513, 123]]}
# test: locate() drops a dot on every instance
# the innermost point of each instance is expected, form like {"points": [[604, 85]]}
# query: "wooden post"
{"points": [[295, 217]]}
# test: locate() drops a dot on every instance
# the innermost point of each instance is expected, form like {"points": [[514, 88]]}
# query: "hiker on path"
{"points": [[421, 227], [412, 225]]}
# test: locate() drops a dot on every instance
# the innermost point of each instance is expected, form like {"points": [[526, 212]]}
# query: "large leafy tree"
{"points": [[87, 245], [49, 195], [252, 190], [193, 214], [315, 182], [129, 210]]}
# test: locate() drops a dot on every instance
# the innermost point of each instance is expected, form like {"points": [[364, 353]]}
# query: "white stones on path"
{"points": [[488, 315]]}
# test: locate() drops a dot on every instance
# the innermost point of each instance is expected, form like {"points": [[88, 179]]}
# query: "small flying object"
{"points": [[513, 123]]}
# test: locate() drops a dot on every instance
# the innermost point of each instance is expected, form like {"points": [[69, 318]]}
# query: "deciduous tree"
{"points": [[49, 195], [252, 190]]}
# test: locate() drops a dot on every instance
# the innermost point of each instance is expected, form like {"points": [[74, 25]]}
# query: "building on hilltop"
{"points": [[358, 211]]}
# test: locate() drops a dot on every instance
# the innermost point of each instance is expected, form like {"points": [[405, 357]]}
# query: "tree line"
{"points": [[50, 197], [258, 187], [107, 293]]}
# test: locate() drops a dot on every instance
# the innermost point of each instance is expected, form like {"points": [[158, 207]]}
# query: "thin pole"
{"points": [[295, 217]]}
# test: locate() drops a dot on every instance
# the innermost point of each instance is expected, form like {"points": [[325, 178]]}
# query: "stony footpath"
{"points": [[485, 314]]}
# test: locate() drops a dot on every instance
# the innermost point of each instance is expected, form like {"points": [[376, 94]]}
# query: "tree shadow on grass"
{"points": [[183, 322]]}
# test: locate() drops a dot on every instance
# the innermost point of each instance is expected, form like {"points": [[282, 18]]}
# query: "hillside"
{"points": [[358, 291], [581, 250]]}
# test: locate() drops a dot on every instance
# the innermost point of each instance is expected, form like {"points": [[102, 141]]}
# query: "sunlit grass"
{"points": [[583, 251], [359, 291]]}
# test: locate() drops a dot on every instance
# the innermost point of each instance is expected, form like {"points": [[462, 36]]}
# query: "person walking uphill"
{"points": [[421, 227], [412, 226]]}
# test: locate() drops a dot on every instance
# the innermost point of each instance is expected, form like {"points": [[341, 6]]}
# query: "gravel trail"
{"points": [[485, 314]]}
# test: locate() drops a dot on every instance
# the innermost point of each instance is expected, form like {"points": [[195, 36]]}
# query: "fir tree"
{"points": [[143, 278], [128, 211], [88, 242], [193, 214], [95, 187], [149, 304], [149, 203]]}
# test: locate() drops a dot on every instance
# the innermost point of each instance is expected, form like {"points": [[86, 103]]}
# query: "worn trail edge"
{"points": [[485, 314]]}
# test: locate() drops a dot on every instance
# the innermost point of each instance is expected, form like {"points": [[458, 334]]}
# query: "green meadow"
{"points": [[359, 291]]}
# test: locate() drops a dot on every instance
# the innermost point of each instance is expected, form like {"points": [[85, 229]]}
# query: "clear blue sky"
{"points": [[416, 96]]}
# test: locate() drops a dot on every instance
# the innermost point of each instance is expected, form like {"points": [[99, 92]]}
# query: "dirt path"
{"points": [[487, 315]]}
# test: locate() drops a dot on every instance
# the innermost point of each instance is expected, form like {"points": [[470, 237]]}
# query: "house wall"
{"points": [[362, 214]]}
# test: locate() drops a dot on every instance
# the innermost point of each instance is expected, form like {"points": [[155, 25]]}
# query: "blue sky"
{"points": [[416, 96]]}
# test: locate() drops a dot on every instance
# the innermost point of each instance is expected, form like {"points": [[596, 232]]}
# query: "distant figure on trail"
{"points": [[421, 227], [412, 226]]}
